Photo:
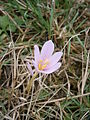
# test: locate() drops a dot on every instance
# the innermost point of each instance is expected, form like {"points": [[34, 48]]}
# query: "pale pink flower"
{"points": [[30, 69], [45, 61]]}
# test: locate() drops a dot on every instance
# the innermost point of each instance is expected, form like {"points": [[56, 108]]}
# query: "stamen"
{"points": [[40, 61], [39, 66], [43, 64]]}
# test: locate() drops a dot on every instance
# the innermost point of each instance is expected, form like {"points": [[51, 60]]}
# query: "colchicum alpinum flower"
{"points": [[46, 62]]}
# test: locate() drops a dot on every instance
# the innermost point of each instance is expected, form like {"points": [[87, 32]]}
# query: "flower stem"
{"points": [[29, 85]]}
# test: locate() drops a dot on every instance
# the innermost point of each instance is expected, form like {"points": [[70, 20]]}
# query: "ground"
{"points": [[62, 95]]}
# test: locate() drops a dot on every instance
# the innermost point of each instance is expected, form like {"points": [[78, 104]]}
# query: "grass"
{"points": [[63, 95]]}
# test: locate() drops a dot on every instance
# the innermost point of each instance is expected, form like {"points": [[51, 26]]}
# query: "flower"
{"points": [[29, 68], [46, 62]]}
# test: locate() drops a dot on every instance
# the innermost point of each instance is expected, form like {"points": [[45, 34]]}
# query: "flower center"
{"points": [[43, 64]]}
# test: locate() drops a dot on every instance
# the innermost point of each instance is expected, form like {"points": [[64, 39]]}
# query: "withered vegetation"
{"points": [[63, 95]]}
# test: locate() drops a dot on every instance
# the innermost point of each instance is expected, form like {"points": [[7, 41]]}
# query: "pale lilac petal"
{"points": [[52, 69], [36, 53], [47, 49], [35, 65], [54, 59], [30, 69]]}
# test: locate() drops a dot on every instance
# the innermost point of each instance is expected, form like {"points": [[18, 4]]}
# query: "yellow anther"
{"points": [[40, 61], [39, 66], [43, 64]]}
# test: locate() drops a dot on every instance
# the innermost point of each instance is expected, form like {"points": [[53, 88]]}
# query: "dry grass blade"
{"points": [[85, 75], [83, 117], [46, 102], [69, 41], [65, 98]]}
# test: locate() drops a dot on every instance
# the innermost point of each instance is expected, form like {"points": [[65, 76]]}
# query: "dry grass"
{"points": [[63, 95]]}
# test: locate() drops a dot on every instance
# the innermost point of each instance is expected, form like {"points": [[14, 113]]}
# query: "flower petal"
{"points": [[36, 53], [52, 69], [35, 65], [47, 49], [54, 59], [30, 69]]}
